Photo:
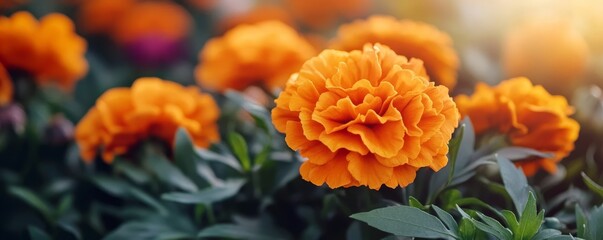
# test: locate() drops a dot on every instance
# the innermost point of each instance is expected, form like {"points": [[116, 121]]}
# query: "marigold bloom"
{"points": [[164, 19], [256, 15], [265, 53], [151, 107], [548, 51], [405, 37], [6, 87], [101, 16], [367, 117], [321, 14], [50, 50], [528, 115]]}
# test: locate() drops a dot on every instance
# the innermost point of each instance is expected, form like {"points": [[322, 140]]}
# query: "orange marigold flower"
{"points": [[528, 115], [256, 15], [151, 107], [366, 117], [165, 19], [50, 49], [101, 16], [265, 53], [6, 87], [405, 37], [321, 14], [549, 51]]}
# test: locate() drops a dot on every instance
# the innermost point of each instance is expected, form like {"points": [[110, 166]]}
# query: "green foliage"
{"points": [[406, 221], [515, 183]]}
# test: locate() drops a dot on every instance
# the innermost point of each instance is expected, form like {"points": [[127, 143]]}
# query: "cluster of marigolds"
{"points": [[370, 109]]}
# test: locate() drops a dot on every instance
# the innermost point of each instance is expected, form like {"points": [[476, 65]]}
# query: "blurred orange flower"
{"points": [[49, 50], [6, 87], [528, 115], [256, 15], [366, 117], [101, 16], [151, 107], [265, 53], [549, 51], [405, 37], [321, 14], [165, 19]]}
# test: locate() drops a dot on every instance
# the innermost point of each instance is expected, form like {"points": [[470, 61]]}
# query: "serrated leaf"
{"points": [[32, 200], [446, 218], [168, 173], [530, 220], [515, 183], [592, 185], [545, 234], [37, 234], [405, 221], [233, 231], [206, 196], [240, 149]]}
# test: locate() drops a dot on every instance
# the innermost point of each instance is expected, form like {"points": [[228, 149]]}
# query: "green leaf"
{"points": [[455, 146], [37, 234], [501, 232], [492, 227], [144, 231], [134, 173], [580, 222], [530, 221], [227, 160], [519, 153], [511, 220], [168, 173], [406, 221], [185, 156], [413, 202], [446, 218], [545, 234], [593, 228], [120, 188], [260, 114], [467, 229], [32, 199], [239, 148], [515, 183], [65, 204], [233, 231], [208, 195], [592, 185]]}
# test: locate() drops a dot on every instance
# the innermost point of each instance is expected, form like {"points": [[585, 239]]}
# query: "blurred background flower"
{"points": [[152, 107], [525, 115], [48, 50], [263, 54], [6, 87]]}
